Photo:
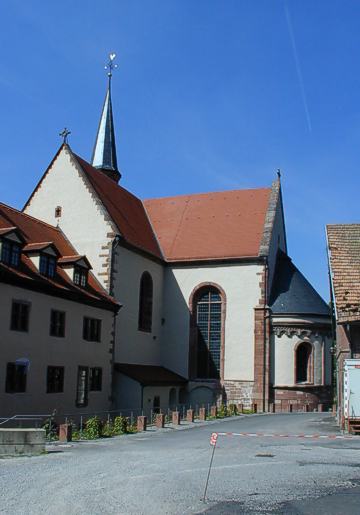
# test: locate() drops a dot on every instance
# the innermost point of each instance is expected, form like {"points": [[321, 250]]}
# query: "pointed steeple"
{"points": [[104, 153]]}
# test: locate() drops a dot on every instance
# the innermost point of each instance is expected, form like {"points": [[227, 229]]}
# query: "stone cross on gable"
{"points": [[64, 134]]}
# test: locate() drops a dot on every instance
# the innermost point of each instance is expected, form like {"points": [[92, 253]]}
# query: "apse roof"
{"points": [[292, 293]]}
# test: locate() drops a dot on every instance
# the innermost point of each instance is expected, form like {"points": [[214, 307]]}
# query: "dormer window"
{"points": [[10, 253], [47, 265], [11, 243], [44, 256], [77, 269], [80, 276]]}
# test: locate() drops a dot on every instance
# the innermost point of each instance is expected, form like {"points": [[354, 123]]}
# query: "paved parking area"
{"points": [[164, 472]]}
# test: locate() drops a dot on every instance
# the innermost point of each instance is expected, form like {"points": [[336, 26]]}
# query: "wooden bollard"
{"points": [[202, 413], [254, 407], [141, 423], [213, 411], [160, 420], [306, 408], [272, 407], [290, 407], [190, 415], [175, 417], [320, 408], [240, 408], [65, 433], [334, 409]]}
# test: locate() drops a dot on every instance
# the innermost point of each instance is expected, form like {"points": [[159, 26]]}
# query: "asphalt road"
{"points": [[164, 472]]}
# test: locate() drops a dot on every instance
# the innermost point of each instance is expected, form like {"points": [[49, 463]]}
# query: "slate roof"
{"points": [[292, 293], [150, 375], [344, 259], [227, 224], [26, 274]]}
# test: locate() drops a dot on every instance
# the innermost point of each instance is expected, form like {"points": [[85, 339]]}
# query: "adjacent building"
{"points": [[344, 267], [56, 323]]}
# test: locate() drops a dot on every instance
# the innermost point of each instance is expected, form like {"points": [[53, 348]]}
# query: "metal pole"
{"points": [[208, 476]]}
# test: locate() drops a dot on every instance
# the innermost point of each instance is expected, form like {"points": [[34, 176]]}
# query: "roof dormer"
{"points": [[44, 256], [11, 242], [77, 268]]}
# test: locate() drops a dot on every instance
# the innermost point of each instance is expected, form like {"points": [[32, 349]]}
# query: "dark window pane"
{"points": [[55, 379], [57, 323], [20, 316], [15, 378], [145, 302], [208, 321], [92, 329], [95, 379]]}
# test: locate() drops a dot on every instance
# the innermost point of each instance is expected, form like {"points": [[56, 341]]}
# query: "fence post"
{"points": [[213, 411], [160, 420], [141, 423], [202, 413], [175, 418], [190, 415], [81, 426]]}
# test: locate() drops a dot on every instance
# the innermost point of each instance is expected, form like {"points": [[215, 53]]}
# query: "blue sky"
{"points": [[208, 95]]}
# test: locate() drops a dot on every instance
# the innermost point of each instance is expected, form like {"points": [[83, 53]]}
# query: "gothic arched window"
{"points": [[145, 302], [303, 363], [207, 316]]}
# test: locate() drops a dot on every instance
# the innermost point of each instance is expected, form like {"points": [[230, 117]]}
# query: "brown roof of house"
{"points": [[227, 224], [344, 257], [26, 274], [150, 375], [126, 210]]}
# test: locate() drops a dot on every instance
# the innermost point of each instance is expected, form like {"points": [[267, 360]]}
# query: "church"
{"points": [[213, 308]]}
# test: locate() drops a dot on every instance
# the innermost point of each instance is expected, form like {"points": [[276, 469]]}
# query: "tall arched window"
{"points": [[303, 363], [207, 318], [145, 302]]}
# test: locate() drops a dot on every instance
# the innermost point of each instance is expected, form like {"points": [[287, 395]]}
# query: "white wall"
{"points": [[44, 350], [241, 286], [132, 345], [83, 218]]}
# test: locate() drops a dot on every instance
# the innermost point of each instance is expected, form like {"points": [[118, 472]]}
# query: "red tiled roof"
{"points": [[344, 255], [74, 259], [126, 210], [32, 247], [26, 275], [220, 225]]}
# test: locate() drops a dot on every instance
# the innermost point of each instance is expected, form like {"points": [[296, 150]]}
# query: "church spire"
{"points": [[104, 153]]}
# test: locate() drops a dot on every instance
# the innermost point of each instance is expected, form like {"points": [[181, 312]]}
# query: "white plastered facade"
{"points": [[43, 350]]}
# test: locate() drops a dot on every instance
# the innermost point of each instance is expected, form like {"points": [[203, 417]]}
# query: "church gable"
{"points": [[65, 197]]}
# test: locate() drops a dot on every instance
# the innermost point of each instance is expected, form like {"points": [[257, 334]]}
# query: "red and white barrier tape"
{"points": [[214, 436]]}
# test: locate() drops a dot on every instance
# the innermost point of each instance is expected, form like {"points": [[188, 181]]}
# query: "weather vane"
{"points": [[111, 65], [64, 134], [278, 172]]}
